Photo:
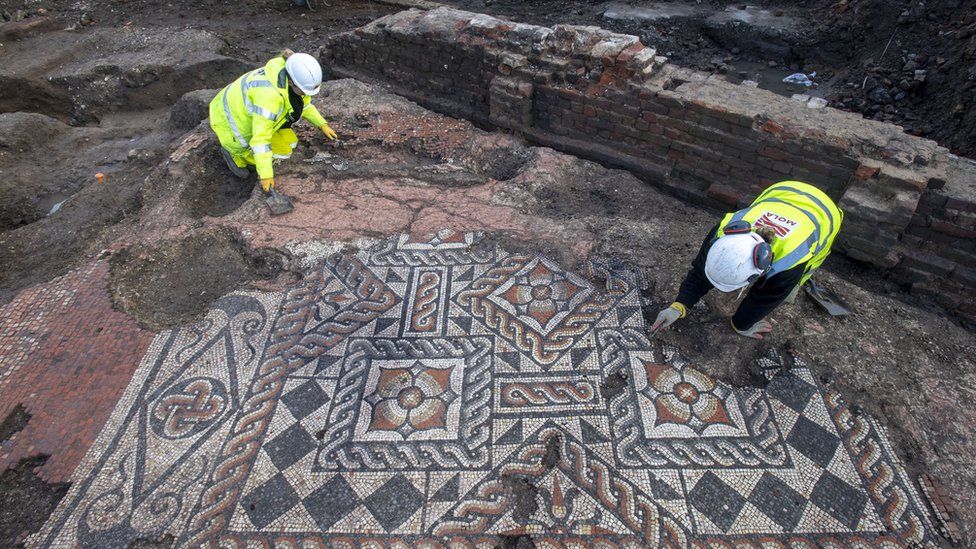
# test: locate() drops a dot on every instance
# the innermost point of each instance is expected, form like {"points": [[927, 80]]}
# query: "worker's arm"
{"points": [[765, 296], [696, 284], [311, 114]]}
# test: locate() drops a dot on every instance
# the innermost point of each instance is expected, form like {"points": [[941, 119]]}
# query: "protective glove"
{"points": [[758, 329], [267, 185], [668, 316], [329, 132]]}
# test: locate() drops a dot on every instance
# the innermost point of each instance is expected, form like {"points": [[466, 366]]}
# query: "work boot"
{"points": [[239, 172]]}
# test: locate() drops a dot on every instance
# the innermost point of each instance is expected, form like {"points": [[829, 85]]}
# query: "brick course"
{"points": [[607, 97]]}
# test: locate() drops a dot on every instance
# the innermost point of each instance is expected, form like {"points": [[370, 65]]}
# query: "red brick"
{"points": [[863, 173], [629, 53], [724, 194], [774, 153], [950, 229], [771, 127]]}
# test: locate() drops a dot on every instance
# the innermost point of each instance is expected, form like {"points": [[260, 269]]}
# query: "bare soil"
{"points": [[175, 282], [123, 129]]}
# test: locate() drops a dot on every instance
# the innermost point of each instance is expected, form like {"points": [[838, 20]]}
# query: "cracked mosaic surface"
{"points": [[435, 390]]}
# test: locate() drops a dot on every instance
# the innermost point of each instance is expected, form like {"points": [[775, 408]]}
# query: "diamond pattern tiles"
{"points": [[439, 388]]}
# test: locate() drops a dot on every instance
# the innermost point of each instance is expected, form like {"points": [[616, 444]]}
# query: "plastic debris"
{"points": [[57, 207], [816, 103], [800, 79]]}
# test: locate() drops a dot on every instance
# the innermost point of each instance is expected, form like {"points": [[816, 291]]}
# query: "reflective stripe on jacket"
{"points": [[251, 109], [804, 218]]}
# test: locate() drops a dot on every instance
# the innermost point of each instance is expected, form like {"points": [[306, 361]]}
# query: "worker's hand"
{"points": [[329, 132], [267, 185], [758, 329], [667, 317]]}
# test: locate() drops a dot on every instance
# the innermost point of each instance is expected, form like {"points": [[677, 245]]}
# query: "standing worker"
{"points": [[253, 116], [775, 244]]}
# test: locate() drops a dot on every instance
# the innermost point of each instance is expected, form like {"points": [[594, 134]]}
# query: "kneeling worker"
{"points": [[775, 244], [253, 115]]}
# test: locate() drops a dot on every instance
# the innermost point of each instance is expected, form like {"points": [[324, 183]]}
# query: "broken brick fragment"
{"points": [[863, 172], [772, 127]]}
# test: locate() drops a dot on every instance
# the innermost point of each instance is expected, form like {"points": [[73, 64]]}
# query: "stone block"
{"points": [[944, 227], [927, 262]]}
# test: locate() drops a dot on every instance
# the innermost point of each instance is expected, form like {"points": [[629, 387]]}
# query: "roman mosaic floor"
{"points": [[445, 392]]}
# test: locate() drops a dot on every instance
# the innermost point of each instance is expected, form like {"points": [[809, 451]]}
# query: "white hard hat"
{"points": [[731, 261], [305, 72]]}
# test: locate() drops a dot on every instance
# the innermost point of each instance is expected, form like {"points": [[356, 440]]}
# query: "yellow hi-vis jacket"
{"points": [[247, 112], [806, 222]]}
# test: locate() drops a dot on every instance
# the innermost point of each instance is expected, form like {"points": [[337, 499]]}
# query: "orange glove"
{"points": [[267, 184]]}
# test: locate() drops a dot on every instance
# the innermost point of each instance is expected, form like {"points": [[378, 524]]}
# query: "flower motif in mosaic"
{"points": [[414, 399], [541, 293], [685, 397]]}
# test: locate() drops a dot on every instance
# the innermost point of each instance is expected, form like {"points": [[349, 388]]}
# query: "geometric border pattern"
{"points": [[536, 407]]}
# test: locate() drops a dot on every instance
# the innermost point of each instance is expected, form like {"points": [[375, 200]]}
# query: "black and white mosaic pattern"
{"points": [[440, 391]]}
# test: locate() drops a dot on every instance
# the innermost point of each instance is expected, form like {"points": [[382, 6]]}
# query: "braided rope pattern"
{"points": [[290, 348], [649, 522], [423, 318], [518, 394]]}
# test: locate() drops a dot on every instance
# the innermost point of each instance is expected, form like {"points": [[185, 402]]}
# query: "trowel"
{"points": [[279, 203], [828, 300]]}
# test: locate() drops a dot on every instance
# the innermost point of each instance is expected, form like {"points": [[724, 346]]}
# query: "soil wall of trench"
{"points": [[910, 205]]}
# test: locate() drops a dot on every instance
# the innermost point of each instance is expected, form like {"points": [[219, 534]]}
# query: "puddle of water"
{"points": [[769, 78], [650, 12], [53, 203], [752, 15]]}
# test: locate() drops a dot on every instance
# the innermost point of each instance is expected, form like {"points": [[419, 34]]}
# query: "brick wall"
{"points": [[908, 204]]}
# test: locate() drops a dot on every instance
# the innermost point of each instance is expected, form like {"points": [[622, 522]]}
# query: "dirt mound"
{"points": [[173, 283], [124, 69], [35, 158], [54, 210], [27, 501], [213, 191], [911, 63], [191, 108]]}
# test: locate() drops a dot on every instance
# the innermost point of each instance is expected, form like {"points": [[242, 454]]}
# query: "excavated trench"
{"points": [[81, 103]]}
